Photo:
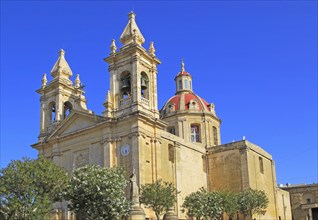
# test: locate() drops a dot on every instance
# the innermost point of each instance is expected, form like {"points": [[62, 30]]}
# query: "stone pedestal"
{"points": [[136, 213], [170, 215]]}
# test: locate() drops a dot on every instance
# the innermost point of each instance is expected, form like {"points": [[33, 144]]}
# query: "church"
{"points": [[181, 143]]}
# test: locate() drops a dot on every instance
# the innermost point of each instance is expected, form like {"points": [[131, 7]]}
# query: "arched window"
{"points": [[180, 84], [51, 112], [144, 81], [195, 133], [215, 136], [308, 198], [67, 109], [186, 84], [125, 85]]}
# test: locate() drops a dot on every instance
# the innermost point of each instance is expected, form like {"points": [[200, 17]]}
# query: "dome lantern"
{"points": [[183, 80]]}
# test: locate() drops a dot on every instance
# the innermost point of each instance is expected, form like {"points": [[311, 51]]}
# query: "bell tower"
{"points": [[133, 75], [59, 97]]}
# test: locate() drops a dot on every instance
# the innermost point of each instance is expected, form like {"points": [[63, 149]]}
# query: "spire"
{"points": [[131, 32], [61, 67], [44, 80], [152, 49], [77, 81]]}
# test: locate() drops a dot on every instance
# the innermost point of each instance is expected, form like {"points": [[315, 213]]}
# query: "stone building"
{"points": [[304, 201], [181, 143]]}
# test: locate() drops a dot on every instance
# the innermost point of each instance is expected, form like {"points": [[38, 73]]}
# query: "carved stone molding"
{"points": [[80, 158], [56, 154], [136, 133], [110, 139], [156, 139], [176, 144]]}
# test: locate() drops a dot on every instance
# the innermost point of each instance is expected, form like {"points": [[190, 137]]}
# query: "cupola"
{"points": [[183, 80]]}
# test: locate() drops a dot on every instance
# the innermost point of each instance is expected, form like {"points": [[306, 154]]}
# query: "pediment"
{"points": [[74, 123]]}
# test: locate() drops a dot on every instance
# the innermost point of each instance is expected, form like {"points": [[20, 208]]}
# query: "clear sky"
{"points": [[256, 60]]}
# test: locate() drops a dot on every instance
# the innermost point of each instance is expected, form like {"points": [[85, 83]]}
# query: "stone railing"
{"points": [[144, 101], [125, 102]]}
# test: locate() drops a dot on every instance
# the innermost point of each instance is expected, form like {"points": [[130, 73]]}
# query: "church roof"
{"points": [[189, 99]]}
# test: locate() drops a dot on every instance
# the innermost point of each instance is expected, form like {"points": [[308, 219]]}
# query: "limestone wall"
{"points": [[304, 201], [283, 204], [241, 165]]}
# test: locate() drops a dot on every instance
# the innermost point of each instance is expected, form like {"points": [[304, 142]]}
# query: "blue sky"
{"points": [[256, 60]]}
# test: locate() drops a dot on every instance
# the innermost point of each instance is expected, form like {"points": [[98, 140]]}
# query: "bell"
{"points": [[143, 83], [125, 84]]}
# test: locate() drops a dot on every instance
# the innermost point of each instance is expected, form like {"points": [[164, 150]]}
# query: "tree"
{"points": [[193, 203], [204, 204], [28, 188], [230, 205], [96, 192], [159, 196], [251, 201]]}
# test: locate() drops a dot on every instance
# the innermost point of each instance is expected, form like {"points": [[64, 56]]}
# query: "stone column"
{"points": [[244, 168], [309, 214], [107, 150]]}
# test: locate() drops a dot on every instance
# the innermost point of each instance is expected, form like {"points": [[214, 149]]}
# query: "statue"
{"points": [[136, 212], [134, 189]]}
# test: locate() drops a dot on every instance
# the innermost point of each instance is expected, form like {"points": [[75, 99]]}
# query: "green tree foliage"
{"points": [[204, 204], [230, 205], [251, 201], [28, 188], [96, 192], [159, 196]]}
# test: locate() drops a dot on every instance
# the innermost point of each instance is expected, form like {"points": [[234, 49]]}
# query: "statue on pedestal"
{"points": [[136, 212], [134, 189]]}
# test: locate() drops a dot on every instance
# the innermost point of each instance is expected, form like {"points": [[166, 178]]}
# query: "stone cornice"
{"points": [[132, 50], [189, 113], [243, 147]]}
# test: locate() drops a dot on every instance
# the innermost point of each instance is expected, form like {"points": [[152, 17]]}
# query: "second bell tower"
{"points": [[133, 75]]}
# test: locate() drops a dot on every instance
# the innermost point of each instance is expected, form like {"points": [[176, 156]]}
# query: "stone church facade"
{"points": [[181, 143]]}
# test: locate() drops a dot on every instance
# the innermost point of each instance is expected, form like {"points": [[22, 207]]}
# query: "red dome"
{"points": [[183, 73], [190, 99]]}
